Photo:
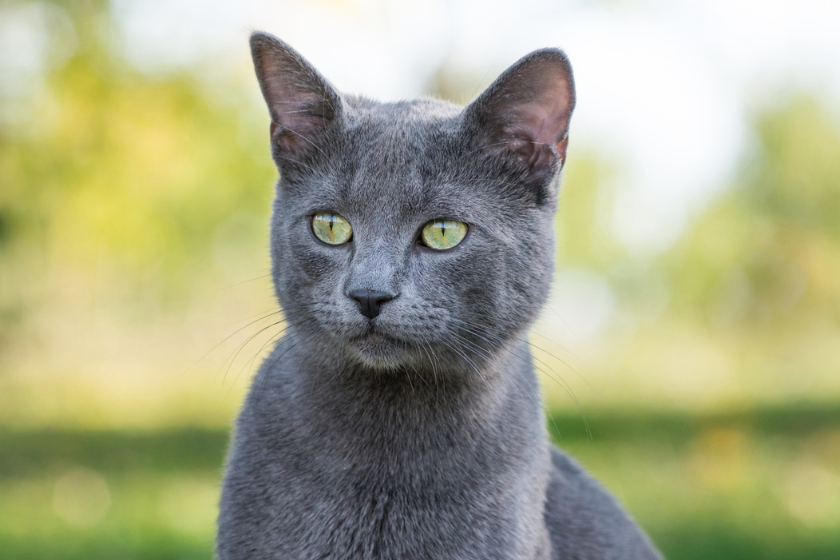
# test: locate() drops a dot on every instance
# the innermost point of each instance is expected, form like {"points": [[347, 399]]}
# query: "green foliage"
{"points": [[134, 171], [796, 178], [768, 252]]}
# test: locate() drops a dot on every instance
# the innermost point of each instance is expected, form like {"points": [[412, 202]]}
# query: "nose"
{"points": [[370, 301]]}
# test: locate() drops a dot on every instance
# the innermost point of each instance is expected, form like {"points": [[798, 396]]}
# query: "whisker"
{"points": [[487, 356], [561, 360], [234, 333], [551, 374], [230, 361], [245, 282]]}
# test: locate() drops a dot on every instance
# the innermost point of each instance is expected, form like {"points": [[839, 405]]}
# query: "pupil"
{"points": [[332, 221], [443, 229]]}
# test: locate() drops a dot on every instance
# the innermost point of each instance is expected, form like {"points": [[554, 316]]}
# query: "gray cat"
{"points": [[399, 417]]}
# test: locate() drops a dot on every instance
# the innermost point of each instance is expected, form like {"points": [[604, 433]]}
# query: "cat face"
{"points": [[362, 181]]}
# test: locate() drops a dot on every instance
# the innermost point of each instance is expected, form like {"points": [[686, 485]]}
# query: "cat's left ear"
{"points": [[524, 115]]}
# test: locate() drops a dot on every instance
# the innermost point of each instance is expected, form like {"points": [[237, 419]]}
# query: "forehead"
{"points": [[398, 158]]}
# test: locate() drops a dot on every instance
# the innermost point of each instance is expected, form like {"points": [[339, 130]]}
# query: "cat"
{"points": [[399, 416]]}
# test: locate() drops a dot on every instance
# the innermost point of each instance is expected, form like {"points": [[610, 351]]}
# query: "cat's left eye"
{"points": [[443, 234], [331, 228]]}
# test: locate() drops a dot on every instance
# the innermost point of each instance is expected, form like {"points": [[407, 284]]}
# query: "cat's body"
{"points": [[399, 417]]}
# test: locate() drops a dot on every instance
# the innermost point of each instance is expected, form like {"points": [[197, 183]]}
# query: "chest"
{"points": [[358, 516]]}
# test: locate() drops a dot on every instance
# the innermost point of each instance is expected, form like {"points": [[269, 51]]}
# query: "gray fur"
{"points": [[418, 434]]}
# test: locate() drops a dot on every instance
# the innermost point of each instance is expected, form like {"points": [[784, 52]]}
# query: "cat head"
{"points": [[418, 233]]}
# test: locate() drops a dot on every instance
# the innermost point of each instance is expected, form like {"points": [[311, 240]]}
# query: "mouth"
{"points": [[375, 339], [377, 347]]}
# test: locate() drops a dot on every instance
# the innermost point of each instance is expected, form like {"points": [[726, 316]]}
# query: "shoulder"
{"points": [[585, 522]]}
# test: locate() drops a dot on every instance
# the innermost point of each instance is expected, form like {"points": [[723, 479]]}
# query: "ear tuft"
{"points": [[300, 101], [525, 113]]}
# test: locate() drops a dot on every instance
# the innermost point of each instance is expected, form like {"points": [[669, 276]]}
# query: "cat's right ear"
{"points": [[302, 104]]}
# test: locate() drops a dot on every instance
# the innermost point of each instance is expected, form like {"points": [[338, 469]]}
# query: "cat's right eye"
{"points": [[331, 228]]}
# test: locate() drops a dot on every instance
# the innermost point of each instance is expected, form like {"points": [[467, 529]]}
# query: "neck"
{"points": [[434, 466], [404, 403]]}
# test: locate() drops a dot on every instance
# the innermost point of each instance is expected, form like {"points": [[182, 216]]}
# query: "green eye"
{"points": [[443, 234], [331, 228]]}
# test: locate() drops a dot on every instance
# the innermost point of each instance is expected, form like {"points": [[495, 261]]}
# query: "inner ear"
{"points": [[525, 113], [302, 104]]}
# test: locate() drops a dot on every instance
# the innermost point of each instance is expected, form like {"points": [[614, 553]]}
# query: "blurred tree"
{"points": [[132, 171], [768, 252]]}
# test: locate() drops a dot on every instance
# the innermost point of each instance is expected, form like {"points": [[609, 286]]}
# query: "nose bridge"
{"points": [[375, 268]]}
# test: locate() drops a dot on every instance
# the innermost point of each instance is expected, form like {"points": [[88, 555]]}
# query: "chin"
{"points": [[380, 351]]}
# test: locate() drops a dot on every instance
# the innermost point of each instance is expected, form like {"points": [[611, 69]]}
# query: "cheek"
{"points": [[526, 275], [505, 281], [308, 270], [465, 280]]}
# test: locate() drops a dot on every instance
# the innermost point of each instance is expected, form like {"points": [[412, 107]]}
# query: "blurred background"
{"points": [[690, 351]]}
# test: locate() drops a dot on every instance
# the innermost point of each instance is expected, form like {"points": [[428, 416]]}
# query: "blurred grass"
{"points": [[695, 482]]}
